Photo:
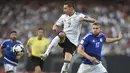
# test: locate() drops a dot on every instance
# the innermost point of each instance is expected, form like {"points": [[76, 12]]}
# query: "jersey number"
{"points": [[97, 44]]}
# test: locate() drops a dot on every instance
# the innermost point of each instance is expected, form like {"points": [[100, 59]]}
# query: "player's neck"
{"points": [[39, 38], [96, 34], [72, 13], [12, 40]]}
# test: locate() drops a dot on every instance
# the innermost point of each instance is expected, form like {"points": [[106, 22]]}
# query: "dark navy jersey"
{"points": [[10, 57], [92, 45]]}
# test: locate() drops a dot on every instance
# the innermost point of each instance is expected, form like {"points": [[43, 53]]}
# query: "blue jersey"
{"points": [[9, 57], [92, 46]]}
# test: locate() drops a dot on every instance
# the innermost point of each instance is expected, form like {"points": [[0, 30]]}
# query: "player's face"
{"points": [[67, 10], [96, 29], [40, 33], [13, 36]]}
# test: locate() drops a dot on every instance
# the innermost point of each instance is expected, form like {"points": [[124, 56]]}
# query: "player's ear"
{"points": [[101, 30]]}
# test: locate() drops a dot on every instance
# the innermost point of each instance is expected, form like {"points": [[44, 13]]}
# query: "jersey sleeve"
{"points": [[3, 45], [104, 38], [84, 16], [84, 41], [19, 42], [30, 41], [59, 22]]}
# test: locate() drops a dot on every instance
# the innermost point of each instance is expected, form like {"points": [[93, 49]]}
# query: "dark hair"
{"points": [[97, 24], [70, 4], [13, 32], [40, 29]]}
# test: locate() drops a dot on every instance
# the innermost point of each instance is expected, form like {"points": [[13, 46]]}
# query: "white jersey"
{"points": [[71, 26]]}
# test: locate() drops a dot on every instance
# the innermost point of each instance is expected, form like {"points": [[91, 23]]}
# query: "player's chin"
{"points": [[96, 33], [14, 38], [66, 13]]}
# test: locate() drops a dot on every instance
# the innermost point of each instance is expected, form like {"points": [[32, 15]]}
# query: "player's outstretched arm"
{"points": [[109, 40], [92, 20], [81, 52], [28, 49]]}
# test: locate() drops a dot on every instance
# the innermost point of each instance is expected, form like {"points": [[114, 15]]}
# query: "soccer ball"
{"points": [[18, 49]]}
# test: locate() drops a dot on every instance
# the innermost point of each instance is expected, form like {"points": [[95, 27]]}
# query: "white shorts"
{"points": [[9, 67], [85, 68]]}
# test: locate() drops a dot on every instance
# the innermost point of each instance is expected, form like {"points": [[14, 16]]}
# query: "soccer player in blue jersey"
{"points": [[10, 59], [90, 48]]}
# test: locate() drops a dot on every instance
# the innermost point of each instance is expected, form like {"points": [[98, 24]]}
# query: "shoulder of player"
{"points": [[33, 38], [87, 35], [45, 39], [7, 40], [83, 15], [63, 15], [18, 41], [78, 13], [102, 35]]}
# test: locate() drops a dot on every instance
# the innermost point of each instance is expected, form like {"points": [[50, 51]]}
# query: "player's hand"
{"points": [[19, 57], [43, 56], [29, 54], [92, 59], [120, 36], [55, 28], [95, 22]]}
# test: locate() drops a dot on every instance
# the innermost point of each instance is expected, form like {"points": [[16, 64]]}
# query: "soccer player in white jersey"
{"points": [[90, 48], [69, 37]]}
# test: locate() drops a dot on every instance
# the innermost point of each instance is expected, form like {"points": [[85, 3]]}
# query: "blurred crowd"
{"points": [[25, 18]]}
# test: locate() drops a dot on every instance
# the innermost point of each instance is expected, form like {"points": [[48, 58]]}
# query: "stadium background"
{"points": [[25, 16]]}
